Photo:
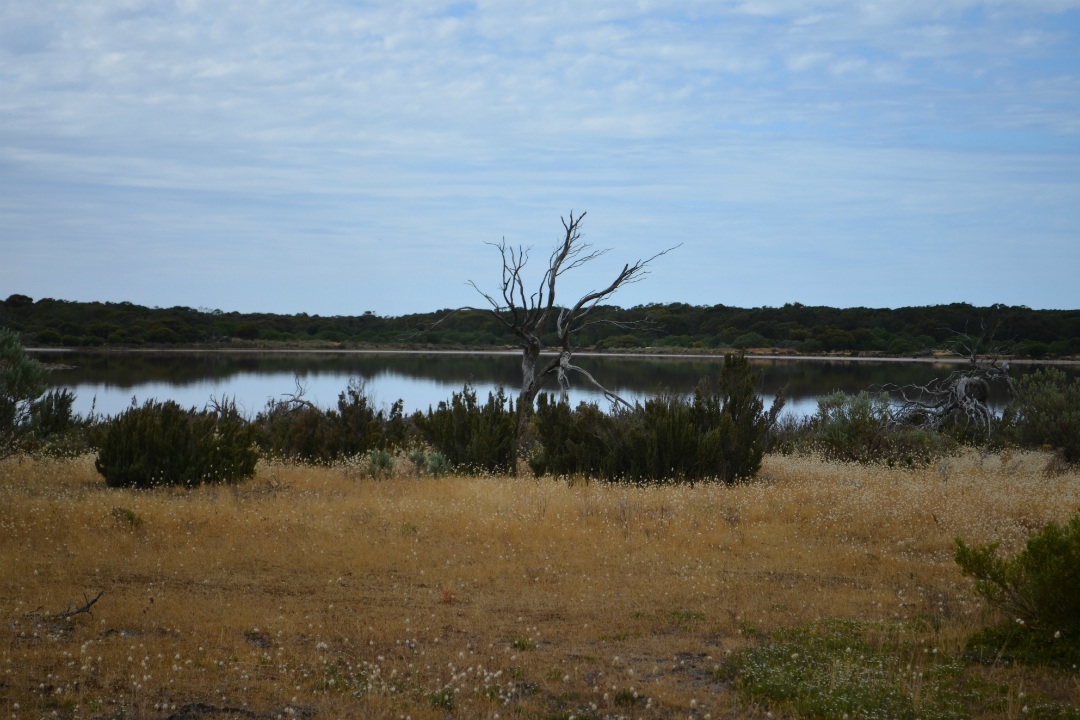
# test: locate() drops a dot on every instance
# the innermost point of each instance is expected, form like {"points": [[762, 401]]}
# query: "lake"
{"points": [[107, 382]]}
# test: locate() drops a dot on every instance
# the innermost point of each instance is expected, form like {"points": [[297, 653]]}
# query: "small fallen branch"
{"points": [[87, 604]]}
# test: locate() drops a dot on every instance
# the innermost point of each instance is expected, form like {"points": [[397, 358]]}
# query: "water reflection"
{"points": [[109, 381]]}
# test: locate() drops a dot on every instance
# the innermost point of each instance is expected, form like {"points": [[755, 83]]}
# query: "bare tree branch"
{"points": [[295, 400], [85, 608]]}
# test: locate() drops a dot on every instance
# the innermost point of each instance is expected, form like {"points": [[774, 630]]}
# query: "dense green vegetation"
{"points": [[795, 327], [161, 443], [1038, 593], [861, 428], [719, 434]]}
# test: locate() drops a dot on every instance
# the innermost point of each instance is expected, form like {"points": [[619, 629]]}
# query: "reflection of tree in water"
{"points": [[804, 380]]}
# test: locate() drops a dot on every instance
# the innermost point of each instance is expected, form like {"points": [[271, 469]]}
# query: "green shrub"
{"points": [[22, 381], [161, 443], [419, 460], [1038, 591], [571, 441], [438, 465], [1046, 413], [297, 430], [57, 430], [719, 435], [471, 436], [860, 428], [380, 464]]}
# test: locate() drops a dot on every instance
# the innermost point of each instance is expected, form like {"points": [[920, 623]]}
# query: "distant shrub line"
{"points": [[793, 326]]}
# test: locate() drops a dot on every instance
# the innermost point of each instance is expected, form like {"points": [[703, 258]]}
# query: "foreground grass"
{"points": [[821, 589]]}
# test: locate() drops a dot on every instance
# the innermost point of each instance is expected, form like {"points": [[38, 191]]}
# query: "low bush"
{"points": [[435, 463], [161, 443], [380, 464], [56, 430], [1046, 413], [297, 430], [720, 434], [470, 436], [861, 428], [1038, 592]]}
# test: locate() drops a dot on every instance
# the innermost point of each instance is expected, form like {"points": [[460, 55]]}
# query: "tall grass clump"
{"points": [[720, 434], [161, 443], [1037, 591]]}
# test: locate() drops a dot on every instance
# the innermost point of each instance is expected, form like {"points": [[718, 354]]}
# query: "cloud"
{"points": [[333, 145]]}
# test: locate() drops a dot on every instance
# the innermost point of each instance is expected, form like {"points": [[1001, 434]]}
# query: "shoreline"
{"points": [[643, 354]]}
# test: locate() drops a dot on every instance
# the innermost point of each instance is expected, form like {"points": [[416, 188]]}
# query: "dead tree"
{"points": [[528, 313], [961, 397]]}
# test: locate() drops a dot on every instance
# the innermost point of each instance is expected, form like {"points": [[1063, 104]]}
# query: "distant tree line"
{"points": [[793, 327]]}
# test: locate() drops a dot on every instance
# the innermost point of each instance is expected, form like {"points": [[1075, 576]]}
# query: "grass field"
{"points": [[310, 592]]}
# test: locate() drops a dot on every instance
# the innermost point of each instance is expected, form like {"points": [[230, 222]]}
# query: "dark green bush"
{"points": [[1046, 413], [56, 429], [471, 436], [300, 431], [22, 381], [161, 443], [719, 435], [571, 441], [1038, 591], [52, 414], [860, 428]]}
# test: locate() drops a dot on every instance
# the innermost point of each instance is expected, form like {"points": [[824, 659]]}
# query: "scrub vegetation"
{"points": [[792, 328], [819, 589]]}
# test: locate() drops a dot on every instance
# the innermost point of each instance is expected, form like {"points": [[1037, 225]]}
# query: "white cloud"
{"points": [[430, 125]]}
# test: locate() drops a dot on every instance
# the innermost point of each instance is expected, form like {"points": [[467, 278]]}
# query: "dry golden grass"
{"points": [[306, 592]]}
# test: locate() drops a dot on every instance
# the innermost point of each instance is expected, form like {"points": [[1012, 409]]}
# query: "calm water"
{"points": [[107, 382]]}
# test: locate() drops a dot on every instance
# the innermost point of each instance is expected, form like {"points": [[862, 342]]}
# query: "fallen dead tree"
{"points": [[961, 398]]}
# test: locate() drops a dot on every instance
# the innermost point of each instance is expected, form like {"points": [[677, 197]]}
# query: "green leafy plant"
{"points": [[22, 381], [160, 443], [438, 465], [861, 428], [419, 460], [1038, 592], [1046, 413], [296, 429], [720, 434], [471, 436], [380, 464], [57, 430]]}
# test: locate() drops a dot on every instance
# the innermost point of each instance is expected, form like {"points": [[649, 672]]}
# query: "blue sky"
{"points": [[339, 157]]}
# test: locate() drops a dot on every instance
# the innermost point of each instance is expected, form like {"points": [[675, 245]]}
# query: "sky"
{"points": [[338, 157]]}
